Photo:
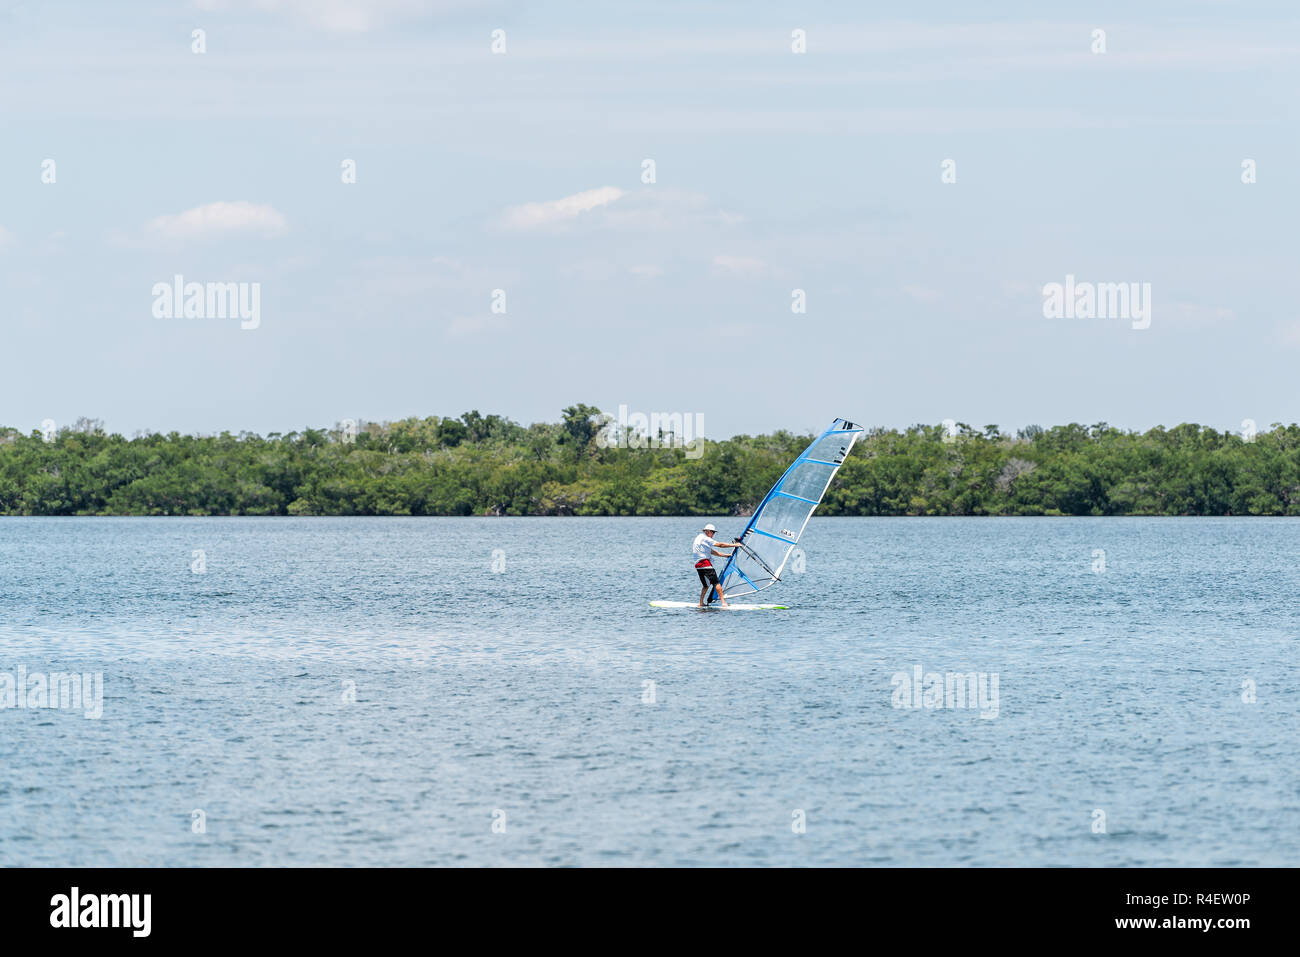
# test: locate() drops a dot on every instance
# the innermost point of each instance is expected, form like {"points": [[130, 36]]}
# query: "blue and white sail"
{"points": [[779, 521]]}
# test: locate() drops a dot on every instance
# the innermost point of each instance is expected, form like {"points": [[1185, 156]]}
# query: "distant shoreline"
{"points": [[716, 518], [488, 466]]}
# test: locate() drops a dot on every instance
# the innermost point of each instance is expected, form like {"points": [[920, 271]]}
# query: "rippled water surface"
{"points": [[1146, 669]]}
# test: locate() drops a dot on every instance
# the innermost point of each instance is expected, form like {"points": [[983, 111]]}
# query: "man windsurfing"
{"points": [[702, 549]]}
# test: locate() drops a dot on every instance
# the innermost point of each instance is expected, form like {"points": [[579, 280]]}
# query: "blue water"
{"points": [[525, 692]]}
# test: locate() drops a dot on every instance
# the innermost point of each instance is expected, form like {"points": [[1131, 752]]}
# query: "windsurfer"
{"points": [[701, 549]]}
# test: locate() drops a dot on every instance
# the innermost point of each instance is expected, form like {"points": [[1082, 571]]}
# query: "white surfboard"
{"points": [[732, 606]]}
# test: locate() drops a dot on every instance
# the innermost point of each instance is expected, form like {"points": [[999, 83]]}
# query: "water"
{"points": [[523, 693]]}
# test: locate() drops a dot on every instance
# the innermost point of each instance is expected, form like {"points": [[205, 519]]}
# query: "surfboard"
{"points": [[733, 606]]}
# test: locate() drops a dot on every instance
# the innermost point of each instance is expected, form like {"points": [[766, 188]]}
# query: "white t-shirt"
{"points": [[701, 548]]}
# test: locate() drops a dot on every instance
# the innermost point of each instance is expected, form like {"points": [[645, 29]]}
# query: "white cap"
{"points": [[710, 528]]}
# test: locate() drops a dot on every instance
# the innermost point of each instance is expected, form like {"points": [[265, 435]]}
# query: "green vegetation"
{"points": [[476, 464]]}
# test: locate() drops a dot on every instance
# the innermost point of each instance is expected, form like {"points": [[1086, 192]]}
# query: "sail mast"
{"points": [[779, 520]]}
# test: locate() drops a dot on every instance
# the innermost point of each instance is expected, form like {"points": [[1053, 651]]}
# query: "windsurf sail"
{"points": [[779, 521]]}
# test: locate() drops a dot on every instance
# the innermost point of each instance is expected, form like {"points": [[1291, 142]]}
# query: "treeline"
{"points": [[477, 465]]}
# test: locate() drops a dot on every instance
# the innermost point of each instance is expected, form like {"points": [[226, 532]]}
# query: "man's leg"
{"points": [[720, 598]]}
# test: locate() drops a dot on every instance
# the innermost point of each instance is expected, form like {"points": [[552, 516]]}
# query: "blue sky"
{"points": [[522, 171]]}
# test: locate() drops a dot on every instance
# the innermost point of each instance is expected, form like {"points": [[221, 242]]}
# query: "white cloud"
{"points": [[6, 237], [654, 209], [557, 211], [665, 208], [739, 266], [217, 219], [647, 271]]}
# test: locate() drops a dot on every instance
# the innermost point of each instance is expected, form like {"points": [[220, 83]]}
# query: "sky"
{"points": [[501, 248]]}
